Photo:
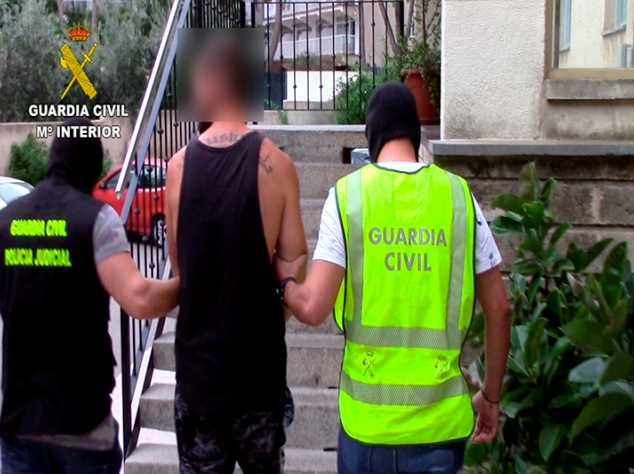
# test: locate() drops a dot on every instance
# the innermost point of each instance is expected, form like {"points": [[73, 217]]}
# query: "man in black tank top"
{"points": [[234, 227]]}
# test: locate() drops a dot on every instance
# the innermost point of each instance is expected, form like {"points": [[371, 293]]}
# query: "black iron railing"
{"points": [[318, 52], [157, 136]]}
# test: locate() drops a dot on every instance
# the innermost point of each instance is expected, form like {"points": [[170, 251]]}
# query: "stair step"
{"points": [[163, 459], [315, 179], [314, 360], [311, 216], [315, 426], [293, 326], [315, 143]]}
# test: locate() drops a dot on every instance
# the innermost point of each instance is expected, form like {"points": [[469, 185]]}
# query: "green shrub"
{"points": [[29, 160], [352, 96], [107, 164], [569, 390]]}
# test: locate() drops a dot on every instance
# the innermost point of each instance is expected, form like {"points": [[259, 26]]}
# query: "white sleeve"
{"points": [[487, 254], [330, 245]]}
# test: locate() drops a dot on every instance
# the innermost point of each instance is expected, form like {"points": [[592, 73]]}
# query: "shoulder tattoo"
{"points": [[266, 162]]}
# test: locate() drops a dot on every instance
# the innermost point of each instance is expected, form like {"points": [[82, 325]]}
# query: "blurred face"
{"points": [[209, 90]]}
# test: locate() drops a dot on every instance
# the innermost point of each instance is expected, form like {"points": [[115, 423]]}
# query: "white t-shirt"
{"points": [[331, 247]]}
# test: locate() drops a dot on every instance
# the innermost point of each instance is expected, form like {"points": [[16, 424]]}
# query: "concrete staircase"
{"points": [[314, 354]]}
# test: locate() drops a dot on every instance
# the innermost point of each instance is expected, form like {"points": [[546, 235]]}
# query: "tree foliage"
{"points": [[30, 71]]}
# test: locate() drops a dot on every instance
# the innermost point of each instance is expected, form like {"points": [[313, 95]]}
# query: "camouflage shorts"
{"points": [[212, 445]]}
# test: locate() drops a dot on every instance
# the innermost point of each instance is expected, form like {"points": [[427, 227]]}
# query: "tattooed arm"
{"points": [[279, 178]]}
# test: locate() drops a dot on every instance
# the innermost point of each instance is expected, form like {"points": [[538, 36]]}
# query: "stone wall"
{"points": [[594, 193]]}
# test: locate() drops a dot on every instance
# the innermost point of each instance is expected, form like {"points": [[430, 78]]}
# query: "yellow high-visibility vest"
{"points": [[405, 305]]}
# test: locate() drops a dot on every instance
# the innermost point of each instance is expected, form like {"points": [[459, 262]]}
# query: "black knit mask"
{"points": [[391, 113], [76, 161]]}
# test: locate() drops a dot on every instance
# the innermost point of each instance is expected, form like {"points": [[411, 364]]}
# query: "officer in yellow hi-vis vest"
{"points": [[403, 251]]}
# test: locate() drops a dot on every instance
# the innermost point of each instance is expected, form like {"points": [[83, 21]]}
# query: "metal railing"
{"points": [[156, 137], [318, 52]]}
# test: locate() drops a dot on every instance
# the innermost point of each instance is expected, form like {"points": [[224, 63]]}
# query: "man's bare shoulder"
{"points": [[177, 161], [274, 160]]}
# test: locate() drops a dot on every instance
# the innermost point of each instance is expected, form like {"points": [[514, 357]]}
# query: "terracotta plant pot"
{"points": [[428, 113]]}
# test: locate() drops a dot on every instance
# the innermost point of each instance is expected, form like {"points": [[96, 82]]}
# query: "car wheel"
{"points": [[158, 230]]}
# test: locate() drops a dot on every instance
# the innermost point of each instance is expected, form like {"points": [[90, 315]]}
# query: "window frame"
{"points": [[567, 23], [552, 72], [113, 179], [620, 13]]}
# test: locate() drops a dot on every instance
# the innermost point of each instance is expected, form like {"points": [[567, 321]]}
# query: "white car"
{"points": [[11, 189]]}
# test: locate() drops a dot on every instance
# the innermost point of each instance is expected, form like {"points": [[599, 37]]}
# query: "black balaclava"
{"points": [[76, 161], [391, 113]]}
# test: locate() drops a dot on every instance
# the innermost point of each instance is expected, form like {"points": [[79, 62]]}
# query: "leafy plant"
{"points": [[354, 92], [29, 161], [569, 390], [419, 48]]}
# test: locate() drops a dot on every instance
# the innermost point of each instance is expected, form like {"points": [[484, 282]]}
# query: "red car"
{"points": [[147, 215]]}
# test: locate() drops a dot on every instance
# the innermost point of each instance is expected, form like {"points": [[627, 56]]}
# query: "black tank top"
{"points": [[230, 348]]}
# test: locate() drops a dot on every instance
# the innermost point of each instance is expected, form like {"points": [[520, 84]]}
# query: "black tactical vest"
{"points": [[230, 348], [57, 366]]}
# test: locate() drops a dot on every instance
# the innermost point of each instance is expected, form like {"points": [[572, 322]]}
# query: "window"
{"points": [[590, 39], [620, 13], [565, 24], [112, 182], [615, 17], [11, 191], [346, 28], [345, 37], [152, 177]]}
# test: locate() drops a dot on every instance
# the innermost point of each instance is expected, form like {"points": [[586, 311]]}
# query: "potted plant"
{"points": [[419, 58]]}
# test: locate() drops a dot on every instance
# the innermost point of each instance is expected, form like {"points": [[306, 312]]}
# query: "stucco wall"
{"points": [[11, 133], [494, 84], [492, 69]]}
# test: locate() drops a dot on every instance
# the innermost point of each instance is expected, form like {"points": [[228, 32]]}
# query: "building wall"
{"points": [[495, 91], [494, 83], [594, 194], [492, 68]]}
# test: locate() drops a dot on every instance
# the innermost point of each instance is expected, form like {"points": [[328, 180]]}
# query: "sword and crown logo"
{"points": [[78, 32]]}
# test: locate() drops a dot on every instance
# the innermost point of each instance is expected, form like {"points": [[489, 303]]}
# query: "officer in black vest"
{"points": [[62, 253]]}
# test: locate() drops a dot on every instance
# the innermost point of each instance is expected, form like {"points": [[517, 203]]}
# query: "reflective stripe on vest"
{"points": [[393, 361]]}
